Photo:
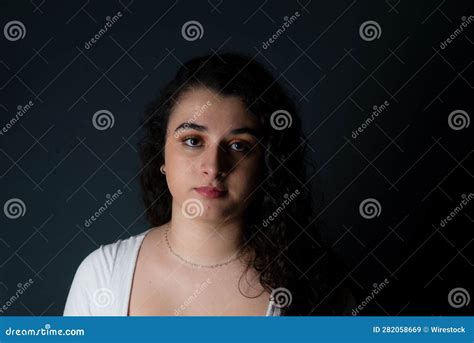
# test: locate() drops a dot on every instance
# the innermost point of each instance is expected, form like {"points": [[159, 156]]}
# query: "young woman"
{"points": [[227, 197]]}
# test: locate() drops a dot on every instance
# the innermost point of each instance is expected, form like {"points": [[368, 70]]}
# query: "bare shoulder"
{"points": [[163, 285], [153, 242], [152, 255]]}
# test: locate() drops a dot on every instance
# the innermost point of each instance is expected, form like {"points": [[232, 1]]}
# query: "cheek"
{"points": [[178, 160], [248, 176], [178, 170], [175, 176]]}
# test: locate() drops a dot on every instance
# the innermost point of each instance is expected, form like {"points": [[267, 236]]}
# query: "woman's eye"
{"points": [[195, 142], [191, 141], [239, 146]]}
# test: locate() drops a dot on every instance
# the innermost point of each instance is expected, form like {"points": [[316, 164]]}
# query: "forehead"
{"points": [[206, 107]]}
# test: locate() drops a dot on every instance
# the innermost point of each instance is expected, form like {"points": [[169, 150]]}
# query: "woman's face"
{"points": [[212, 141]]}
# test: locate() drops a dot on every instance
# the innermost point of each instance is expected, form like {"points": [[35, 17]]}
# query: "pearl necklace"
{"points": [[196, 265]]}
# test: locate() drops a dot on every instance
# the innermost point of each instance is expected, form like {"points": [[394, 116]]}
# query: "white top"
{"points": [[103, 281]]}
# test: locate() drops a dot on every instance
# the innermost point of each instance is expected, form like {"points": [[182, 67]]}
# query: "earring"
{"points": [[162, 169]]}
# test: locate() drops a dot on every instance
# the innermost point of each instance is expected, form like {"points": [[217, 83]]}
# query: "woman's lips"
{"points": [[210, 192]]}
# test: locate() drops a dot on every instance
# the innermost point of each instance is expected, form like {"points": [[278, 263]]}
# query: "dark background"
{"points": [[409, 158]]}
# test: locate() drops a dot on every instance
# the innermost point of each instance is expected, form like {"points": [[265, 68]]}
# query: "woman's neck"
{"points": [[204, 242]]}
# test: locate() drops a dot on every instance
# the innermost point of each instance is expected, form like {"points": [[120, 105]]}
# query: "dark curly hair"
{"points": [[289, 251]]}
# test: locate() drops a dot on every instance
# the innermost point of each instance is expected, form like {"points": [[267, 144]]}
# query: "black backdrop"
{"points": [[413, 161]]}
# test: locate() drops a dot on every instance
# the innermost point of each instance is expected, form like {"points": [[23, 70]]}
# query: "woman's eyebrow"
{"points": [[192, 126]]}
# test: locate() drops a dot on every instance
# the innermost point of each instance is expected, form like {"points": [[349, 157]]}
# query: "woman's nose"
{"points": [[213, 162]]}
